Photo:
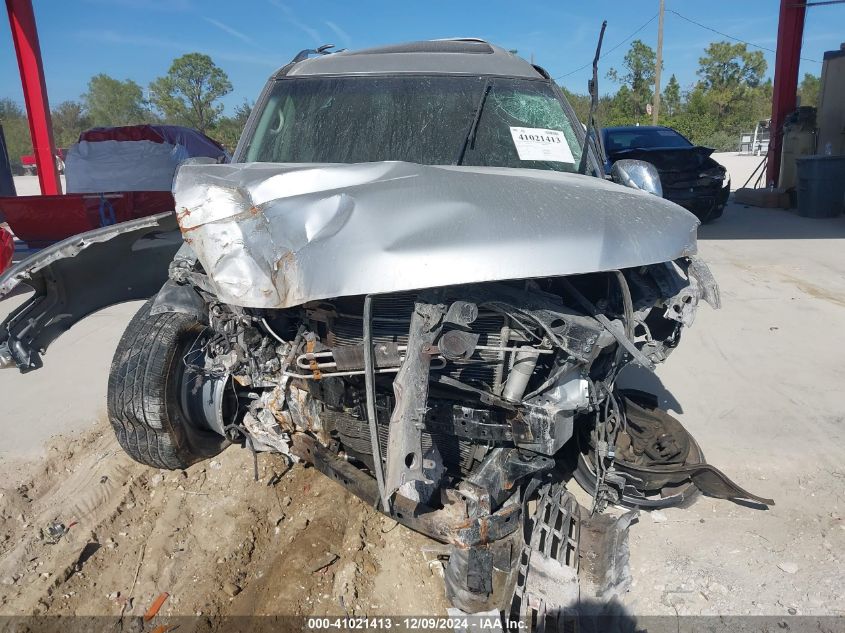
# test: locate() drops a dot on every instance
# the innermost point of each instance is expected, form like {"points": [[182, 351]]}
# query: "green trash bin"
{"points": [[821, 186]]}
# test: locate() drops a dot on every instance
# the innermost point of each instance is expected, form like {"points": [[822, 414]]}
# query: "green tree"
{"points": [[624, 108], [189, 92], [696, 121], [729, 72], [671, 99], [10, 109], [69, 120], [16, 131], [580, 103], [228, 128], [809, 90], [110, 102], [638, 76], [727, 66], [729, 98]]}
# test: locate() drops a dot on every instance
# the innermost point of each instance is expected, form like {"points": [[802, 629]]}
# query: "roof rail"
{"points": [[320, 50], [460, 39]]}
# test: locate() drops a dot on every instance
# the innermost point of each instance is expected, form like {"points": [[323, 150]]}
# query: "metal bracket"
{"points": [[461, 421], [410, 387]]}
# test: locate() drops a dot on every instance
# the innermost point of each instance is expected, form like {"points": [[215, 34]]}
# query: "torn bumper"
{"points": [[79, 276]]}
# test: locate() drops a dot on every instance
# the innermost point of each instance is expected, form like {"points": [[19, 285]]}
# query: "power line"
{"points": [[731, 37], [691, 21], [625, 41]]}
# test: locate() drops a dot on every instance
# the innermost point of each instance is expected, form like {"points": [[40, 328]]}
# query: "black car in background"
{"points": [[690, 177]]}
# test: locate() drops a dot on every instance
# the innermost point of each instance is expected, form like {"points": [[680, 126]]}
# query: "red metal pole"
{"points": [[28, 51], [784, 96]]}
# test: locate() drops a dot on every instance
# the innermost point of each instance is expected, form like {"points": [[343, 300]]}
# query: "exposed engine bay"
{"points": [[473, 392], [516, 364]]}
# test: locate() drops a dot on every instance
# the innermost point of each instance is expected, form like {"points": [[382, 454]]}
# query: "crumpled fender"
{"points": [[80, 275]]}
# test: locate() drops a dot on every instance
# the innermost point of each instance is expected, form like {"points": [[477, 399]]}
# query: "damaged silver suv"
{"points": [[416, 277]]}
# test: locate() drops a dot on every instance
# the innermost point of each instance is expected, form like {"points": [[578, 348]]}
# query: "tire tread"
{"points": [[142, 406]]}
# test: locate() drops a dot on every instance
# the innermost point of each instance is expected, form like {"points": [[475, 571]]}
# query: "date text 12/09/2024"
{"points": [[410, 623]]}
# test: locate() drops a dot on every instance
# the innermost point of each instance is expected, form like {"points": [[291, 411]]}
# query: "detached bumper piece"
{"points": [[547, 590], [656, 462]]}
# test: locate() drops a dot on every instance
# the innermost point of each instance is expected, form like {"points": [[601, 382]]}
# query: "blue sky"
{"points": [[137, 39]]}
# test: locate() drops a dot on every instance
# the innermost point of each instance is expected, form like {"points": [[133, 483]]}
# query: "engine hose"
{"points": [[627, 304]]}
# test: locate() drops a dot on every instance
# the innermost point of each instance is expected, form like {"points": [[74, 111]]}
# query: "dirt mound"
{"points": [[90, 532]]}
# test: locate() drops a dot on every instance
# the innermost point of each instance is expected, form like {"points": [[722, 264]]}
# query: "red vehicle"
{"points": [[42, 220], [28, 162], [113, 175], [7, 249]]}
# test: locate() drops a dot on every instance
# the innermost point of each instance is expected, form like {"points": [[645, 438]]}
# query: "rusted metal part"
{"points": [[467, 422], [486, 529], [447, 525], [351, 357], [493, 482], [436, 524], [313, 365], [410, 387], [357, 482]]}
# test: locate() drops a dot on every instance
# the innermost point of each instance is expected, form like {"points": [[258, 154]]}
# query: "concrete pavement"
{"points": [[69, 393]]}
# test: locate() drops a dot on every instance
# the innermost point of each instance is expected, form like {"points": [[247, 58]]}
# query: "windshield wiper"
{"points": [[469, 138], [594, 102]]}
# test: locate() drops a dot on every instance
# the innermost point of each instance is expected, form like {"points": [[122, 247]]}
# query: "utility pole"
{"points": [[655, 111]]}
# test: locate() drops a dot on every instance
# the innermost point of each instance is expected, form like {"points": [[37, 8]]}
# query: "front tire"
{"points": [[145, 403]]}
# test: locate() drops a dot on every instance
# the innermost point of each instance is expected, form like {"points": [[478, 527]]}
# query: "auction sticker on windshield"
{"points": [[533, 143]]}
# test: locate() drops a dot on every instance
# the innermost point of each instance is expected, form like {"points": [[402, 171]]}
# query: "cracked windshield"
{"points": [[416, 119]]}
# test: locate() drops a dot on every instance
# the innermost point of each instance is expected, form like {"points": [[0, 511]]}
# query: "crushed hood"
{"points": [[669, 158], [279, 235]]}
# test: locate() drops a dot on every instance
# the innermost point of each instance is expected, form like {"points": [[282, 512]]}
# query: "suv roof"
{"points": [[465, 56]]}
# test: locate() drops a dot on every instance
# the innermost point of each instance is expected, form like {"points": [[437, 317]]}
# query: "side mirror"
{"points": [[637, 174]]}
